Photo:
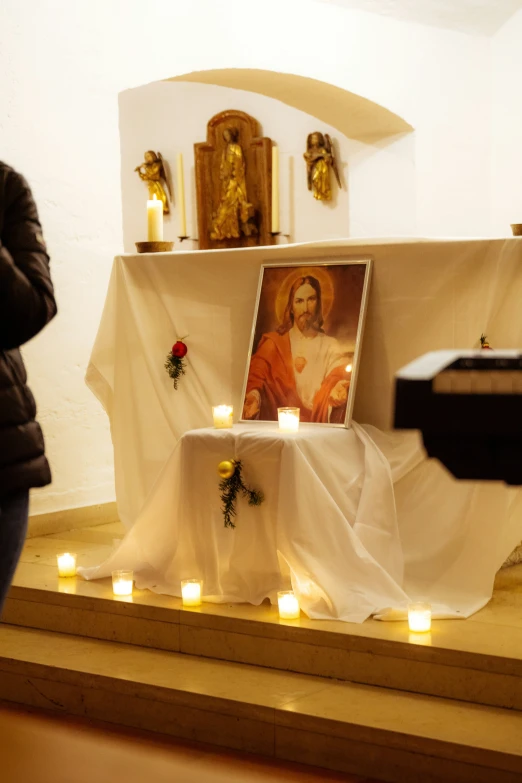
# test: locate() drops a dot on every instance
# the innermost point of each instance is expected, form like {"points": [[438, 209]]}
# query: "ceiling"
{"points": [[478, 17]]}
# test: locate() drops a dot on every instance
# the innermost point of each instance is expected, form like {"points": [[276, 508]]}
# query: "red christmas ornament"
{"points": [[179, 349]]}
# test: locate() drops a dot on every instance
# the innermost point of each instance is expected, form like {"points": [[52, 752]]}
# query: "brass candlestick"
{"points": [[154, 247]]}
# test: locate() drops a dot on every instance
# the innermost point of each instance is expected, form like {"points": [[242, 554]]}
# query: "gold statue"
{"points": [[152, 171], [320, 158], [234, 213]]}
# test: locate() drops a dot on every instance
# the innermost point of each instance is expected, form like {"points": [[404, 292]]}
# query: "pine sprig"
{"points": [[175, 368], [230, 489]]}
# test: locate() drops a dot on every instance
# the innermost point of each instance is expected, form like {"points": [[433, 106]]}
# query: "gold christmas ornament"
{"points": [[227, 468]]}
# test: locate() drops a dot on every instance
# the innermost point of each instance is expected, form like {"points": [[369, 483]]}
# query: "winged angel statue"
{"points": [[320, 158], [152, 171]]}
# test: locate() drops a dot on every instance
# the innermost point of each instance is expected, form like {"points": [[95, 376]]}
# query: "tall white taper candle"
{"points": [[275, 190], [181, 198]]}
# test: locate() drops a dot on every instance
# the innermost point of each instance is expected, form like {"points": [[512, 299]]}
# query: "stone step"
{"points": [[463, 660], [382, 733]]}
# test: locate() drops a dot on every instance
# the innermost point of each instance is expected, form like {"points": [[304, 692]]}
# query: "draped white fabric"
{"points": [[357, 519]]}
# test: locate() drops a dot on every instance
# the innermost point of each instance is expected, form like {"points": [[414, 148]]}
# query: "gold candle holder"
{"points": [[154, 247]]}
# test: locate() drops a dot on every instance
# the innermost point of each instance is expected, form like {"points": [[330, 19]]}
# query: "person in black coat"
{"points": [[27, 304]]}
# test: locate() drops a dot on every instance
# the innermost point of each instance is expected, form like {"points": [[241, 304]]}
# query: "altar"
{"points": [[370, 524]]}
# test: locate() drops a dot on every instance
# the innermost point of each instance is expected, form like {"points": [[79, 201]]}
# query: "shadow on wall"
{"points": [[354, 116]]}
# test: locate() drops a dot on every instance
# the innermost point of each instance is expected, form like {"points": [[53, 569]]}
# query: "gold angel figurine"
{"points": [[152, 171], [320, 158], [233, 215]]}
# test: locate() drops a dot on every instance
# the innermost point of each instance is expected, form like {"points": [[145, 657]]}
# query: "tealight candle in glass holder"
{"points": [[122, 582], [288, 419], [288, 604], [223, 416], [66, 564], [419, 617], [191, 592]]}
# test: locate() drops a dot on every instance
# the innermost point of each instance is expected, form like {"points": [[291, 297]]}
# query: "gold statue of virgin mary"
{"points": [[231, 218]]}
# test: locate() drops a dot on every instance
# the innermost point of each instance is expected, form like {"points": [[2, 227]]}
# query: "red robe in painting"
{"points": [[272, 374]]}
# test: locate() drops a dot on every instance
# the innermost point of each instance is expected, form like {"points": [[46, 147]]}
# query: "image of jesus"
{"points": [[299, 365]]}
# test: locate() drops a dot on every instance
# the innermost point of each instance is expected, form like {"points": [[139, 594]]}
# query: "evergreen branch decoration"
{"points": [[175, 368], [230, 486]]}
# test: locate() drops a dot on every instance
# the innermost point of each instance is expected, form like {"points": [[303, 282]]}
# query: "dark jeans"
{"points": [[14, 512]]}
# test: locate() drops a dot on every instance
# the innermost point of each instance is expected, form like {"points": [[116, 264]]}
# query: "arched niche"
{"points": [[353, 115], [376, 148]]}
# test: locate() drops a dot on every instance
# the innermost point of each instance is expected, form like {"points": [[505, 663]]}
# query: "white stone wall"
{"points": [[507, 126], [63, 64]]}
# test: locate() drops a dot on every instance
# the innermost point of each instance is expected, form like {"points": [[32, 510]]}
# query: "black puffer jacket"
{"points": [[26, 306]]}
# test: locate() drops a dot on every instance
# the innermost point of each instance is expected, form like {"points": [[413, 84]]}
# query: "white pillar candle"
{"points": [[182, 211], [288, 419], [122, 582], [223, 416], [275, 190], [285, 194], [419, 617], [66, 564], [288, 603], [191, 592], [155, 220]]}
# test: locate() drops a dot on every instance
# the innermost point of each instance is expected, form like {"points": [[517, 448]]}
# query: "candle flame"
{"points": [[154, 197], [348, 368]]}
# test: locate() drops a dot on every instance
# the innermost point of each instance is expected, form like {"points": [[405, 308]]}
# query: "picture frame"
{"points": [[306, 340]]}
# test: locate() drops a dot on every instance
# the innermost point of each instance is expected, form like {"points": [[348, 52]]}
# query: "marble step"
{"points": [[381, 733], [471, 661]]}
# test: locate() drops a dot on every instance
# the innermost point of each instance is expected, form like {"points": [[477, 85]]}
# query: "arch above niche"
{"points": [[354, 116]]}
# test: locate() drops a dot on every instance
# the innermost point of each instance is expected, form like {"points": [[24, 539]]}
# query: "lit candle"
{"points": [[155, 219], [288, 603], [288, 419], [419, 617], [223, 416], [191, 592], [122, 582], [275, 190], [66, 564], [181, 198]]}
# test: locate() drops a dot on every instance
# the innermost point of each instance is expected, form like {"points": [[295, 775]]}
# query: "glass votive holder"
{"points": [[288, 604], [223, 416], [191, 592], [66, 564], [419, 617], [288, 419], [122, 582]]}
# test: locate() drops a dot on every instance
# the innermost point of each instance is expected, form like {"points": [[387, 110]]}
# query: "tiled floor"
{"points": [[41, 749]]}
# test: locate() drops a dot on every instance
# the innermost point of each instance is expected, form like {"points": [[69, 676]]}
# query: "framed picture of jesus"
{"points": [[306, 340]]}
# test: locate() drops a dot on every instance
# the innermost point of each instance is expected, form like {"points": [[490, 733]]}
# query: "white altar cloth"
{"points": [[360, 549], [329, 527]]}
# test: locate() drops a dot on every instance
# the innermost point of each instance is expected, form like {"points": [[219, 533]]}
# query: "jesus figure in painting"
{"points": [[299, 365]]}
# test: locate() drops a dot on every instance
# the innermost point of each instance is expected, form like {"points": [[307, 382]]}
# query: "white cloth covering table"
{"points": [[360, 519]]}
